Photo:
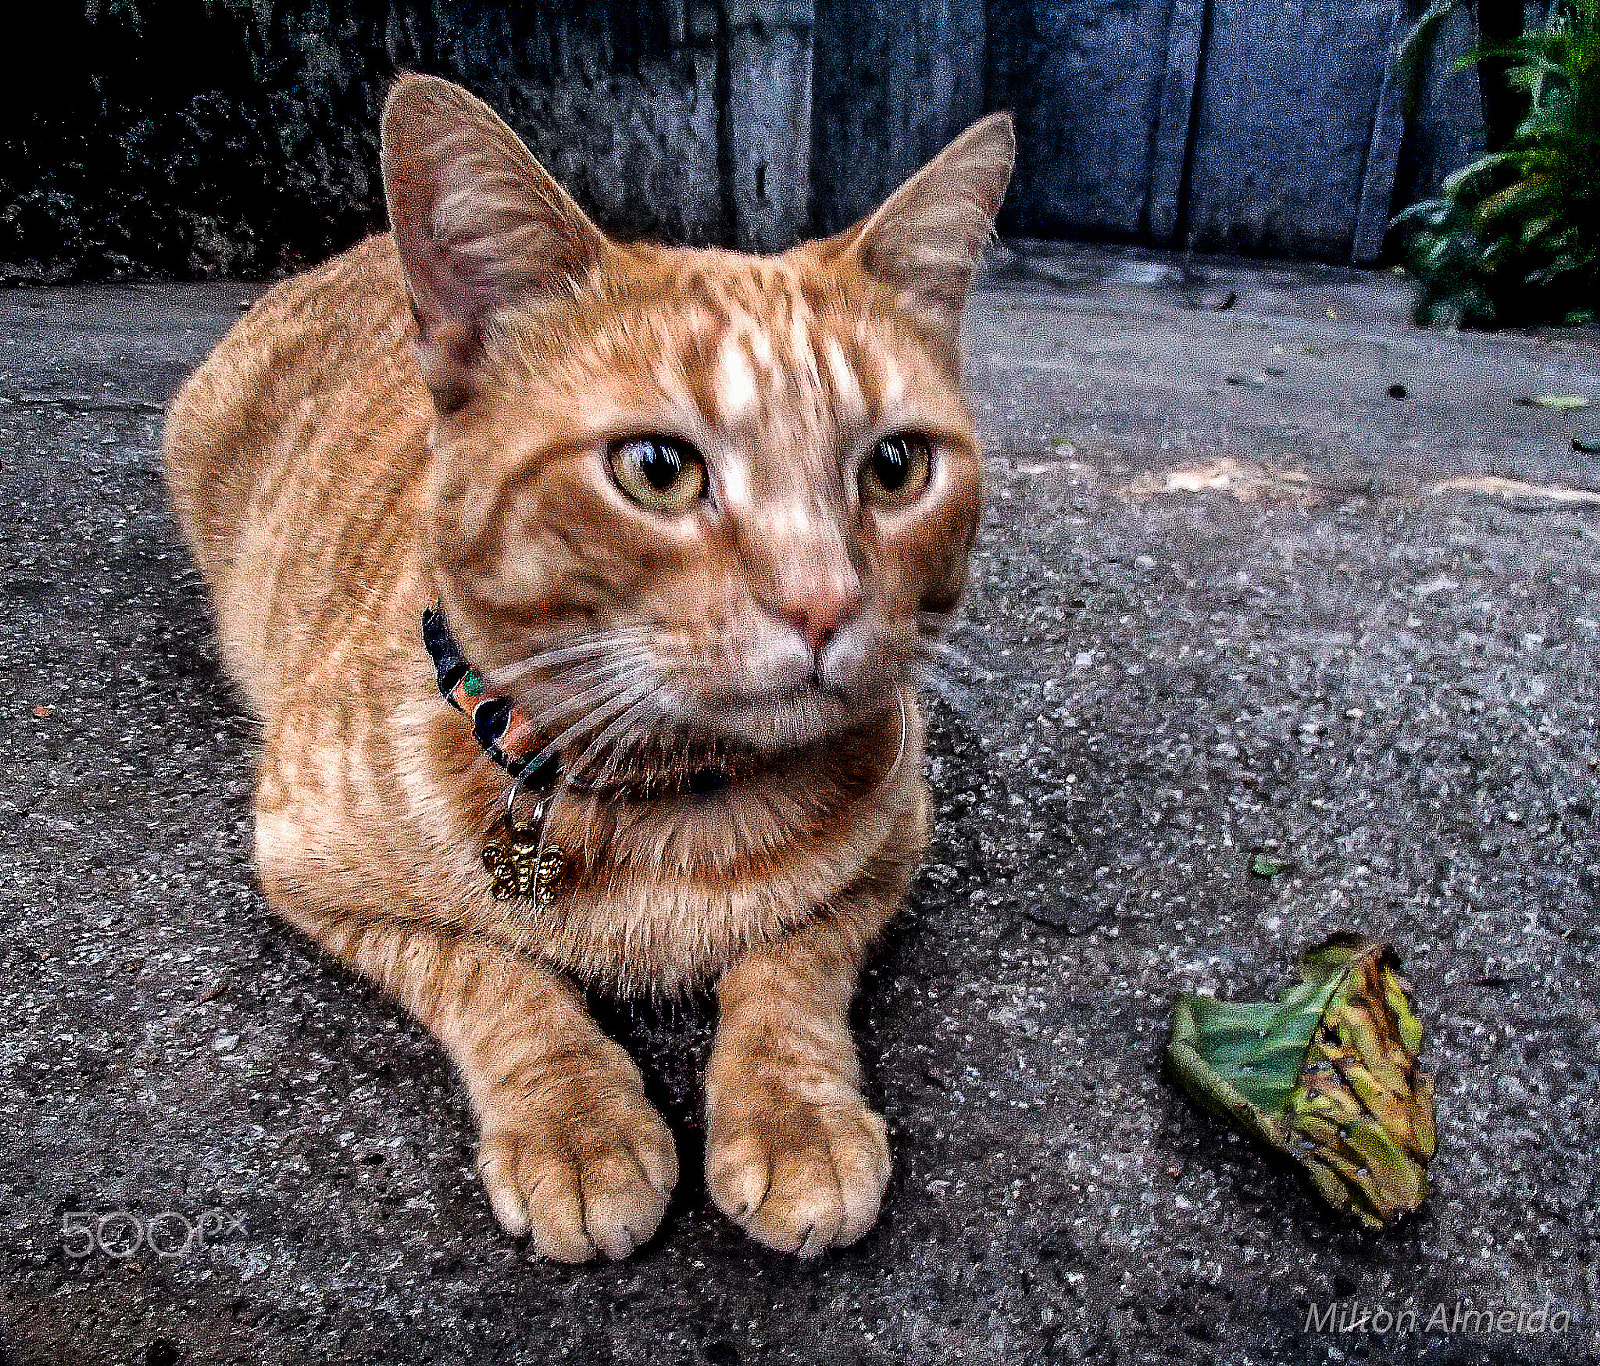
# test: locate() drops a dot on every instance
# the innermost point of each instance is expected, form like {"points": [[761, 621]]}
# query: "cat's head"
{"points": [[725, 491]]}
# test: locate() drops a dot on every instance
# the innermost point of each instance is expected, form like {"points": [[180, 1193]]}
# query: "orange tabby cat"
{"points": [[686, 517]]}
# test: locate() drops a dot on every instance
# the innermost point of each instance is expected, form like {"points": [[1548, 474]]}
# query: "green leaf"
{"points": [[1414, 46], [1562, 403], [1453, 183], [1264, 865], [1434, 210], [1518, 240], [1325, 1074]]}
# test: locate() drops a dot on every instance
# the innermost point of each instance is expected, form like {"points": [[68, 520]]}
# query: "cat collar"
{"points": [[523, 863], [504, 729]]}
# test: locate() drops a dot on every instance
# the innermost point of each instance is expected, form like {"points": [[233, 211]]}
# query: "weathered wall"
{"points": [[1286, 100], [1084, 79], [1266, 126], [766, 121], [1446, 130], [894, 81], [196, 136], [239, 136]]}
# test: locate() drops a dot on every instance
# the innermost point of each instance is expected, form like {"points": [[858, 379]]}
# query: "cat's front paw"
{"points": [[795, 1174], [585, 1181]]}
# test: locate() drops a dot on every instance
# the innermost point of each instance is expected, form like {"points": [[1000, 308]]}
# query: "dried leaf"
{"points": [[1326, 1074]]}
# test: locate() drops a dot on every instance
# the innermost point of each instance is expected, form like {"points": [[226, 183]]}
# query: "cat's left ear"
{"points": [[480, 225], [926, 239]]}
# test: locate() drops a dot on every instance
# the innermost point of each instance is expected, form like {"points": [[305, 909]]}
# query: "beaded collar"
{"points": [[503, 728], [522, 862]]}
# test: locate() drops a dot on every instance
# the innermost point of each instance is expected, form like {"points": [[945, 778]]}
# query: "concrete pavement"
{"points": [[1232, 596]]}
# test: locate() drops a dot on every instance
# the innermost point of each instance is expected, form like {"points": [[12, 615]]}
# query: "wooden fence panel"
{"points": [[1085, 80], [892, 82]]}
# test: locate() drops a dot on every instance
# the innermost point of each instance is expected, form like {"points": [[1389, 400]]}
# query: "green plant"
{"points": [[1514, 238]]}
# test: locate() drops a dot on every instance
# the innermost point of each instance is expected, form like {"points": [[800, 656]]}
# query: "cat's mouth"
{"points": [[626, 725], [666, 765], [792, 717], [724, 743]]}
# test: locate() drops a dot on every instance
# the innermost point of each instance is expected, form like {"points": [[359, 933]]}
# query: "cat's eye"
{"points": [[897, 471], [659, 473]]}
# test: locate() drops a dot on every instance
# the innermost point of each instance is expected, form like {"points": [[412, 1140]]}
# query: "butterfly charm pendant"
{"points": [[517, 867]]}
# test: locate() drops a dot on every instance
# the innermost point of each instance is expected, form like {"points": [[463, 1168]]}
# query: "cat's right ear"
{"points": [[480, 225], [926, 239]]}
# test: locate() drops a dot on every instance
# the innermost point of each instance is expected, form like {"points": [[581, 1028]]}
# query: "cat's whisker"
{"points": [[935, 632], [618, 725], [620, 751], [624, 750], [934, 647], [597, 689], [572, 682], [591, 818], [600, 643], [616, 702], [583, 678], [950, 660], [612, 765], [624, 674], [900, 750], [512, 674], [620, 719], [957, 696], [596, 786], [484, 762], [617, 695]]}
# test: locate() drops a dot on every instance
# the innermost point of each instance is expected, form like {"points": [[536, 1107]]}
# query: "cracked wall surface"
{"points": [[239, 137]]}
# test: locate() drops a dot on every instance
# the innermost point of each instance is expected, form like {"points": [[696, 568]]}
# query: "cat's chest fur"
{"points": [[383, 804]]}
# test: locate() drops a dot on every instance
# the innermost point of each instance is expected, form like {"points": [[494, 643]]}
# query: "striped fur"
{"points": [[429, 415]]}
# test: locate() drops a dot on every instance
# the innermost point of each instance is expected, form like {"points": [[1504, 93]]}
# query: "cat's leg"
{"points": [[793, 1153], [569, 1149]]}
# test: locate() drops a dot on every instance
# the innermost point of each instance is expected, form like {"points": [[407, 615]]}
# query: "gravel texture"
{"points": [[1222, 608]]}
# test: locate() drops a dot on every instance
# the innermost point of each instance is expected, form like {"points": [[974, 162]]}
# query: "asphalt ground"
{"points": [[1232, 597]]}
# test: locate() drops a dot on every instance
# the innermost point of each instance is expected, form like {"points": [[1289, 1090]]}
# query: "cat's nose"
{"points": [[818, 617]]}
